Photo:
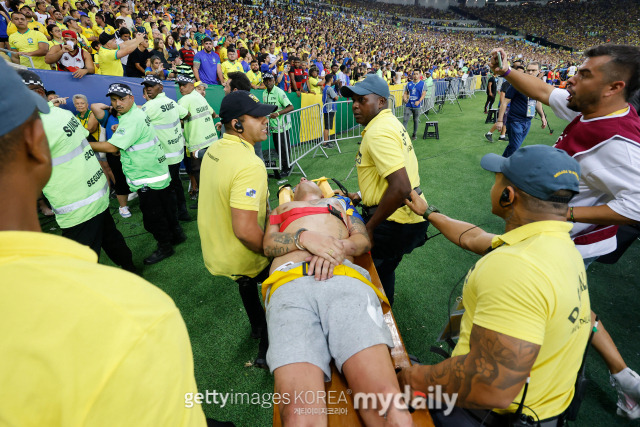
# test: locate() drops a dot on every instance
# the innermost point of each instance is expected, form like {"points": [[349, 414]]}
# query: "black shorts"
{"points": [[4, 39], [328, 120]]}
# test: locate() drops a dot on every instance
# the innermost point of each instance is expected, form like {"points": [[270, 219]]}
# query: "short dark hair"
{"points": [[243, 52], [239, 80], [624, 64]]}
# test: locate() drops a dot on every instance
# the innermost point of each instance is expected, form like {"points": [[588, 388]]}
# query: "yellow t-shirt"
{"points": [[533, 287], [231, 176], [223, 54], [386, 148], [80, 341], [110, 65], [313, 86], [255, 77], [29, 42], [228, 67], [97, 30]]}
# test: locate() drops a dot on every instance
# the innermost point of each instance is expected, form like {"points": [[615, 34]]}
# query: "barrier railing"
{"points": [[344, 125], [10, 52], [396, 104], [301, 134]]}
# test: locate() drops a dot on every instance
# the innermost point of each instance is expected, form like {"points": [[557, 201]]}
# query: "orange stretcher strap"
{"points": [[279, 278]]}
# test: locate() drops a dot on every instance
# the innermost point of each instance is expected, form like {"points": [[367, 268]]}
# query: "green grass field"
{"points": [[452, 179]]}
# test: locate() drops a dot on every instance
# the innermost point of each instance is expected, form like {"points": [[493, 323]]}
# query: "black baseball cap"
{"points": [[240, 102], [104, 38], [538, 170], [18, 103]]}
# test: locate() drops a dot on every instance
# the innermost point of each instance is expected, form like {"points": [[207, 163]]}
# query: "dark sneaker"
{"points": [[489, 136], [503, 138], [159, 255]]}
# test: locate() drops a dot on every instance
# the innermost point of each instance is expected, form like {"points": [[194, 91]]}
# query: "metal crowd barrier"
{"points": [[302, 134], [395, 102], [10, 52], [344, 124]]}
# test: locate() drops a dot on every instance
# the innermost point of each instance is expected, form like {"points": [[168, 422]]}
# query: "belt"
{"points": [[493, 419], [279, 278], [368, 211]]}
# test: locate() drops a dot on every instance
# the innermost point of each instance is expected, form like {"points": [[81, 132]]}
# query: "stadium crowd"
{"points": [[578, 25], [65, 35]]}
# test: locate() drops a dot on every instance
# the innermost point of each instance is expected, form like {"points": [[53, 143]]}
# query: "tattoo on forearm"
{"points": [[275, 251], [494, 360], [280, 244], [357, 227], [284, 238]]}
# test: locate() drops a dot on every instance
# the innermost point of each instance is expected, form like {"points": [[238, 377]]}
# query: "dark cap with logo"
{"points": [[239, 103], [538, 170], [371, 84], [18, 102]]}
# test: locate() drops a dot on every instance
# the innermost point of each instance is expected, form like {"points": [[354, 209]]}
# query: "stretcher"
{"points": [[341, 412]]}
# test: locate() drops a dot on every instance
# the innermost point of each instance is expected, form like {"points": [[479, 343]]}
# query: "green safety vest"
{"points": [[77, 189], [199, 130], [165, 115], [143, 161], [278, 98]]}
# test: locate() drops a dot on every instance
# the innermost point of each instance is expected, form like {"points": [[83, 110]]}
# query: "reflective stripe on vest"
{"points": [[77, 205], [143, 181], [71, 154], [199, 116], [167, 126], [176, 154], [144, 145], [197, 147]]}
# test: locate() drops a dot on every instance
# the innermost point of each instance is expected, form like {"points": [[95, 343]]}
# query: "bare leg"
{"points": [[122, 200], [300, 377], [371, 371], [607, 349]]}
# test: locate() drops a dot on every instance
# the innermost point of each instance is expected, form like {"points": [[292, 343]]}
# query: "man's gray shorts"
{"points": [[312, 321]]}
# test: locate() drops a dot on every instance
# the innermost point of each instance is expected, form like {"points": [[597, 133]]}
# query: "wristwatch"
{"points": [[431, 209], [296, 239]]}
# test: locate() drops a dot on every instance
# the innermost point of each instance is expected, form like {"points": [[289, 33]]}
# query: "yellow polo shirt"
{"points": [[386, 148], [29, 42], [228, 67], [533, 287], [231, 176], [110, 65], [33, 25], [87, 344]]}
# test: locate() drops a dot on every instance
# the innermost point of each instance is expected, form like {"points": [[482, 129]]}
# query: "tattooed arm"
{"points": [[490, 376], [278, 243], [358, 241]]}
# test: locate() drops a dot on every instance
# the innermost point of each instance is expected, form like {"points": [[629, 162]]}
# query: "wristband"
{"points": [[571, 218], [507, 73], [431, 209], [296, 239]]}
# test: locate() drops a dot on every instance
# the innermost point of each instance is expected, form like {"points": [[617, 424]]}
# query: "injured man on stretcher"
{"points": [[321, 306]]}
